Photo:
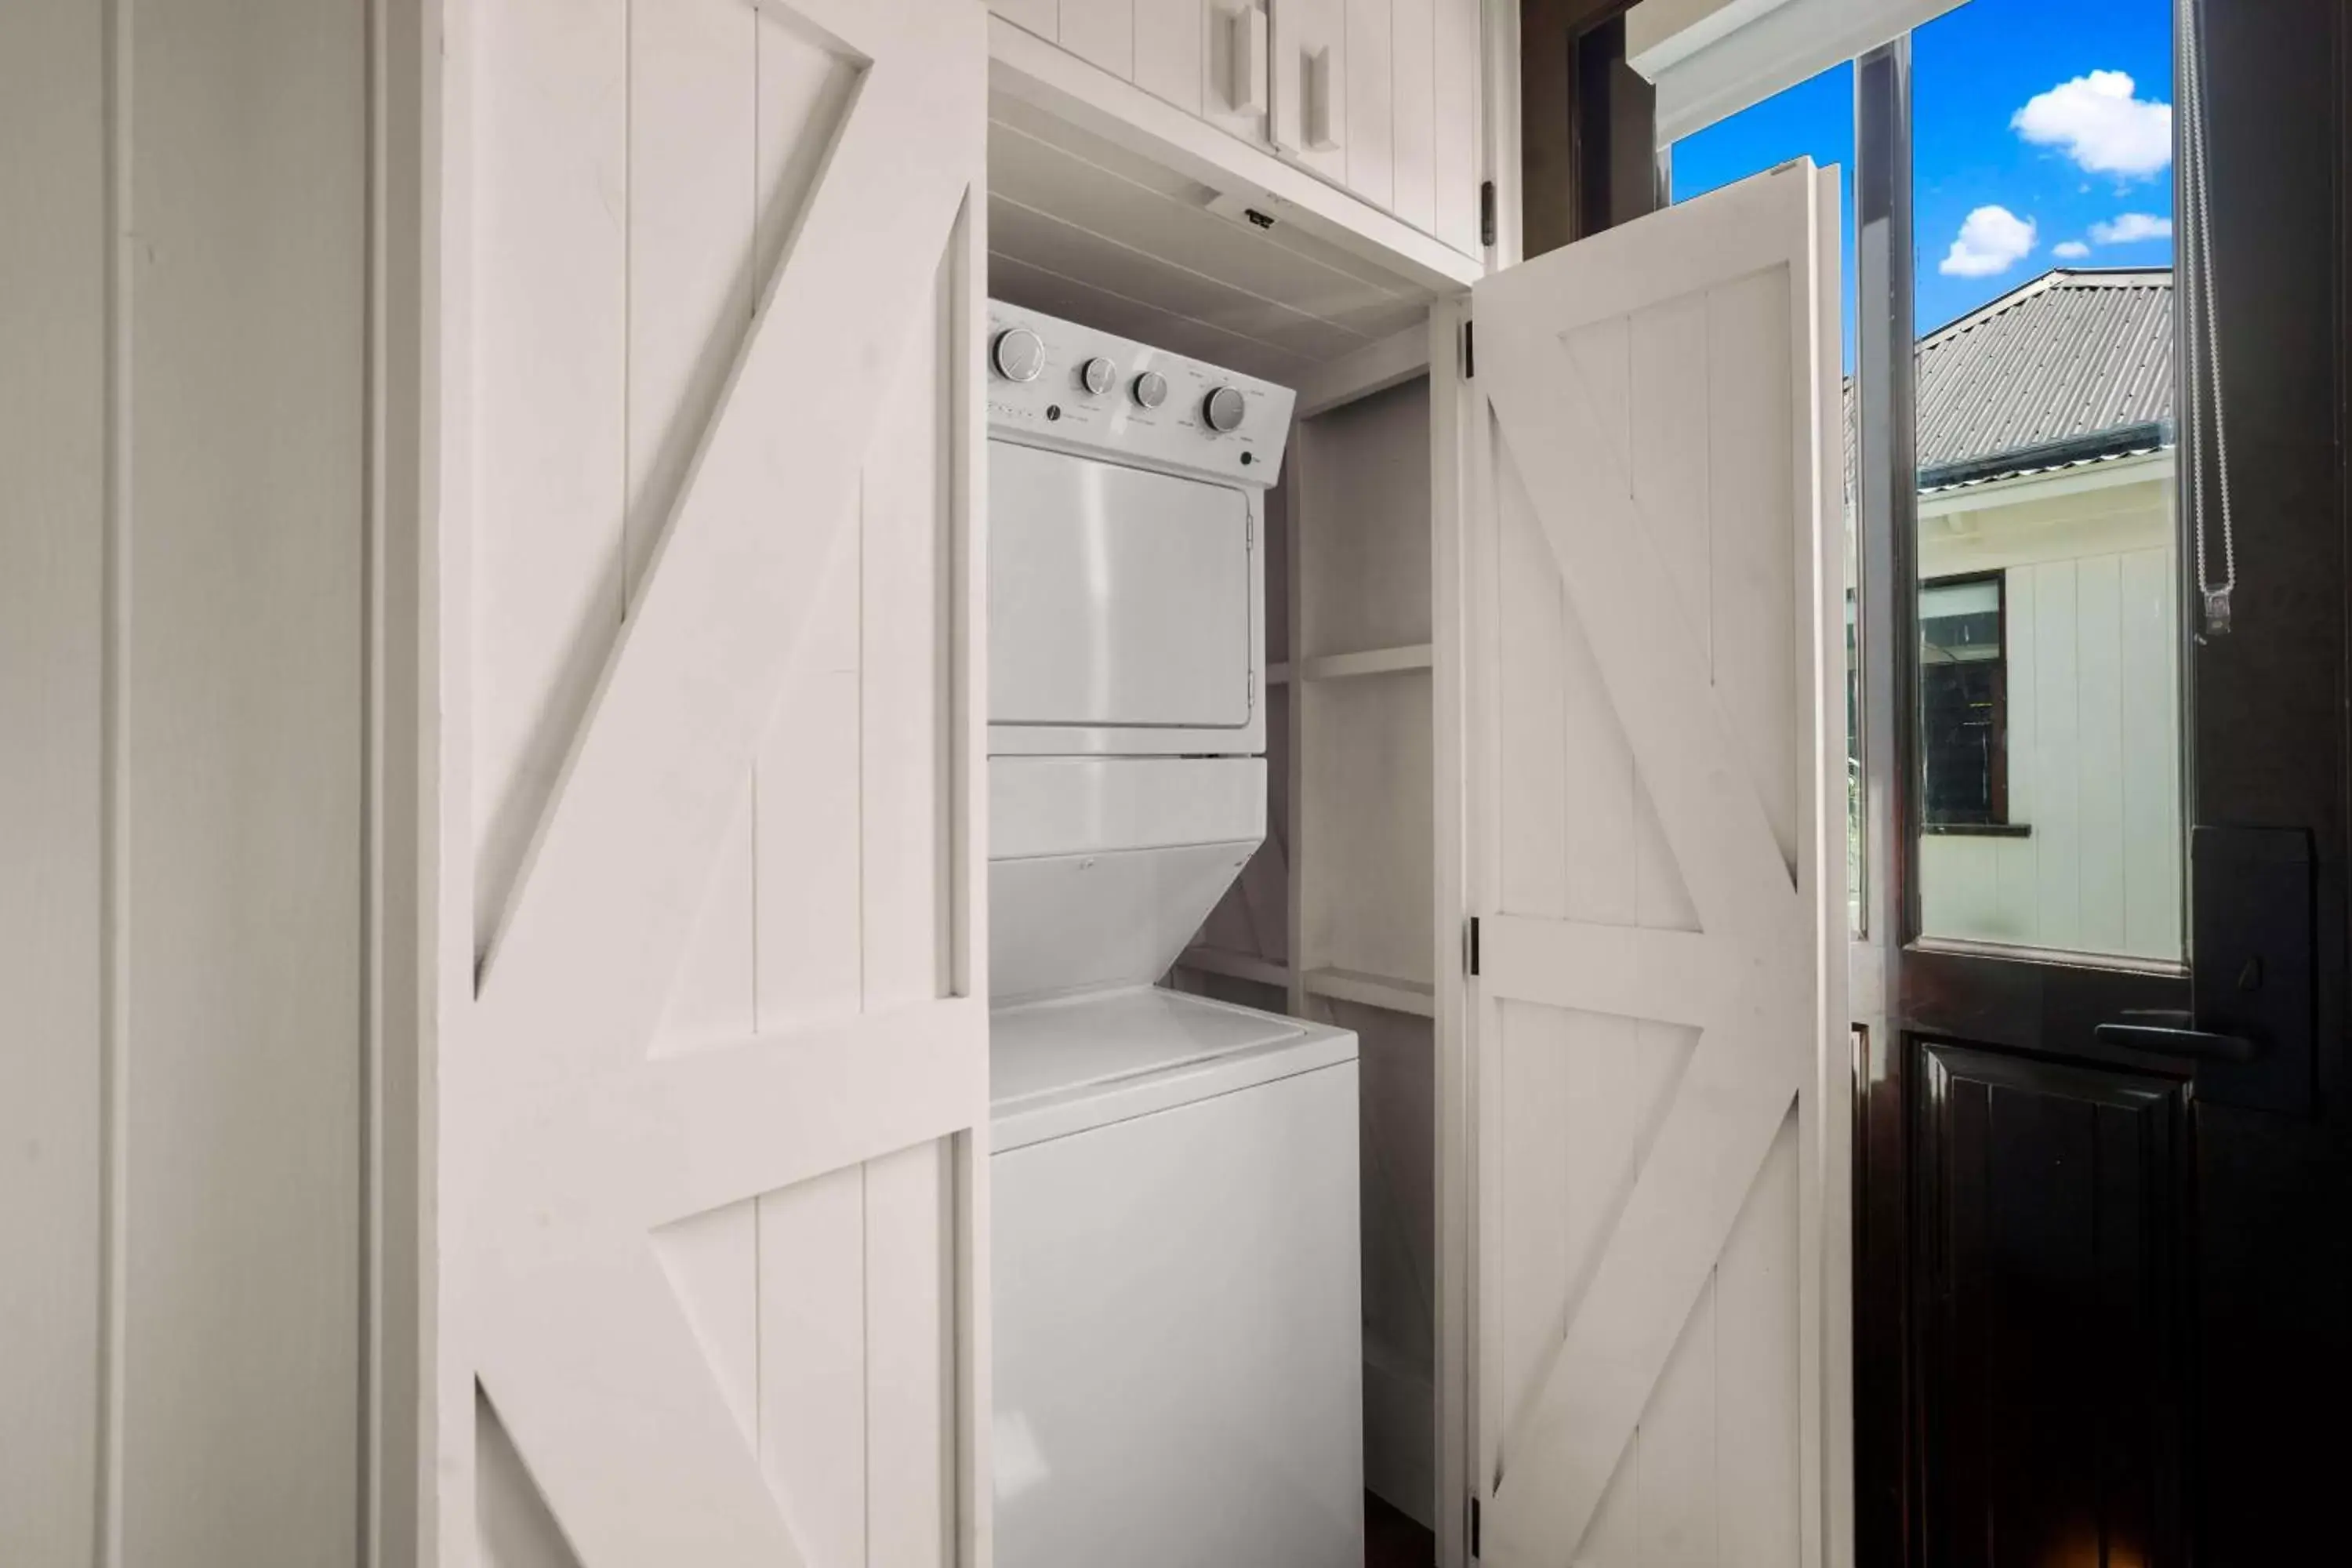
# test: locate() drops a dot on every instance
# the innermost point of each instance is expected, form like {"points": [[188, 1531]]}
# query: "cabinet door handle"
{"points": [[1245, 33], [1319, 126]]}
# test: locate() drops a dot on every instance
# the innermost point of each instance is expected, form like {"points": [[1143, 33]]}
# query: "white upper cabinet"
{"points": [[1378, 97]]}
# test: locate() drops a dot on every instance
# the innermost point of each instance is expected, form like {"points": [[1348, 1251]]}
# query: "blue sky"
{"points": [[2028, 144]]}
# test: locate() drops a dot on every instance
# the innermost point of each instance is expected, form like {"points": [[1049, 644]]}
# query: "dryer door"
{"points": [[1117, 596]]}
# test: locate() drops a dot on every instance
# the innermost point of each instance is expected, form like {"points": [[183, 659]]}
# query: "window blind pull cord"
{"points": [[2202, 383]]}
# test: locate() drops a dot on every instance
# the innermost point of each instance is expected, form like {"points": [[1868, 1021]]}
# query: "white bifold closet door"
{"points": [[1653, 580], [714, 1075]]}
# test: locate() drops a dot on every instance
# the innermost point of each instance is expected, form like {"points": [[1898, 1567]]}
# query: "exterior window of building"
{"points": [[1963, 703]]}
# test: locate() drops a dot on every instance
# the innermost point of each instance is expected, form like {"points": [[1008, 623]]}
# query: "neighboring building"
{"points": [[2049, 618]]}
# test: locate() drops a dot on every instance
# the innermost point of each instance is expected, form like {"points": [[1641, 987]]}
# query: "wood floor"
{"points": [[1393, 1541]]}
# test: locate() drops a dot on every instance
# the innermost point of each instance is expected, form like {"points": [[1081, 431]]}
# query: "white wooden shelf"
{"points": [[1234, 966], [1371, 661], [1418, 997]]}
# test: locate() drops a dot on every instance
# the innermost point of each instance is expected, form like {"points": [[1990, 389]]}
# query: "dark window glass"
{"points": [[1963, 701]]}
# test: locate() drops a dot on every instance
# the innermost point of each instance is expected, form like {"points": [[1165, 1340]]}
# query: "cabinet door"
{"points": [[1169, 38], [1656, 796], [1412, 111], [1101, 32], [713, 1067], [1310, 85], [1366, 137], [1237, 67], [1457, 128]]}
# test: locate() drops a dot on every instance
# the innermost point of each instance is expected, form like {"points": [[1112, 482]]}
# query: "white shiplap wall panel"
{"points": [[183, 702], [2057, 768], [2152, 720], [54, 444], [2099, 742]]}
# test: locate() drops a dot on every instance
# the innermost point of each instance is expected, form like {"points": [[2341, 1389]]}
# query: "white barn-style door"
{"points": [[1657, 798], [714, 1089]]}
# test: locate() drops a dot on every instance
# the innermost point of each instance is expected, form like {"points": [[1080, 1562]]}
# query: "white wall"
{"points": [[2093, 628], [183, 625]]}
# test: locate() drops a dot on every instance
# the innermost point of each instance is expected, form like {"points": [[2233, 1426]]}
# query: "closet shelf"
{"points": [[1234, 966], [1418, 997], [1371, 661]]}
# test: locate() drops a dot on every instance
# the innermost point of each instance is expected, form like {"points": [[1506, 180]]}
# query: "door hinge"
{"points": [[1470, 952], [1469, 351], [1486, 212], [1474, 1527]]}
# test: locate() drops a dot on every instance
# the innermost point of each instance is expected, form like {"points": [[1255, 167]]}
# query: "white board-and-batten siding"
{"points": [[2094, 692], [184, 627]]}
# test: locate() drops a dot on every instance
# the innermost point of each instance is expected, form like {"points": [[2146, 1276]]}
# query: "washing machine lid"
{"points": [[1078, 1063]]}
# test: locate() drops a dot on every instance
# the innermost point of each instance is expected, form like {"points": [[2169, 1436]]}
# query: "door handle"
{"points": [[1245, 34], [1319, 120], [2169, 1040]]}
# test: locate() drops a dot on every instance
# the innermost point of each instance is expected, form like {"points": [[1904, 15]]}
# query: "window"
{"points": [[2044, 539], [1963, 703]]}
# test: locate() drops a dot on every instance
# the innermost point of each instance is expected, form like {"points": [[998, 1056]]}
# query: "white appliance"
{"points": [[1178, 1375]]}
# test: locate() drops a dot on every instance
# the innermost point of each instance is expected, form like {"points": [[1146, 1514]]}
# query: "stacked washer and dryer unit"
{"points": [[1174, 1246]]}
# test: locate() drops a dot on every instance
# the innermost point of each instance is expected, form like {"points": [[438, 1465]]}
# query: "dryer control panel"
{"points": [[1058, 385]]}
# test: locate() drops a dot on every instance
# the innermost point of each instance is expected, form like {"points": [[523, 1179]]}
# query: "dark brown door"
{"points": [[2103, 1204], [2048, 1267]]}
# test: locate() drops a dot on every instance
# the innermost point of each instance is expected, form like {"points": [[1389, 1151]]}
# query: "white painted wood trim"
{"points": [[1498, 104], [1392, 362], [1629, 971], [1088, 96], [403, 815], [1235, 965], [1830, 1209], [975, 1493], [1456, 1210], [1371, 661], [447, 1535], [1302, 433], [1413, 996]]}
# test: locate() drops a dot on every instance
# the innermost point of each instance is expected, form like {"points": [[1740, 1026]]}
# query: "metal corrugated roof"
{"points": [[2075, 353]]}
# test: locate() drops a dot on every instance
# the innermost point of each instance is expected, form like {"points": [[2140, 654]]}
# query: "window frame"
{"points": [[1997, 823]]}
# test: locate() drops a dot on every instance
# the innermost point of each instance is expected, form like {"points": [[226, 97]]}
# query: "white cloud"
{"points": [[2069, 251], [2131, 227], [1992, 239], [2102, 123]]}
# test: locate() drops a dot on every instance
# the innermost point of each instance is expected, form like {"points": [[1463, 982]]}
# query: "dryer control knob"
{"points": [[1019, 354], [1098, 375], [1222, 409], [1150, 389]]}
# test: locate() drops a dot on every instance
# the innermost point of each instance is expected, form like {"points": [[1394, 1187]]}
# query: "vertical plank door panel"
{"points": [[714, 1109], [1655, 402]]}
